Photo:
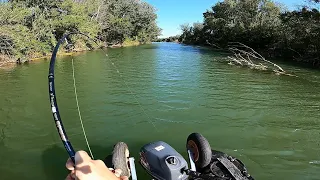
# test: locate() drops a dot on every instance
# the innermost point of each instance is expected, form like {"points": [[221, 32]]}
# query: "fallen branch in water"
{"points": [[245, 56], [213, 45]]}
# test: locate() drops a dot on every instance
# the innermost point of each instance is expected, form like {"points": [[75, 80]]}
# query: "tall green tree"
{"points": [[263, 25], [31, 28]]}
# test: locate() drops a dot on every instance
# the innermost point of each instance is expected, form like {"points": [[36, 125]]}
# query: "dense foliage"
{"points": [[260, 24], [31, 28], [169, 39]]}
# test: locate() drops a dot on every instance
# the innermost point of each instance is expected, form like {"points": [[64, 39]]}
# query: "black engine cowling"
{"points": [[163, 162]]}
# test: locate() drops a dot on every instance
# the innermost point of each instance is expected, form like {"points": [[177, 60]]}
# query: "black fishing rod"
{"points": [[53, 99]]}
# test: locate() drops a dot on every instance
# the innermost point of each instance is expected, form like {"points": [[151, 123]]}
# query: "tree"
{"points": [[31, 28], [260, 24], [131, 19]]}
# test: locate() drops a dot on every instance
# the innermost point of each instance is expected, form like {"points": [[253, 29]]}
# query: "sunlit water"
{"points": [[163, 91]]}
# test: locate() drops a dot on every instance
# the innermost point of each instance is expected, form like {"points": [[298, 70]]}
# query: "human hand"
{"points": [[87, 169]]}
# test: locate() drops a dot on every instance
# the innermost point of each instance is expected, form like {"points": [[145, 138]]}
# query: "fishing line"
{"points": [[127, 86], [78, 108], [53, 98], [131, 92]]}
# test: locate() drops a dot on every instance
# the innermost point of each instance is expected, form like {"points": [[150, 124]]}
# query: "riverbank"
{"points": [[302, 61], [7, 62]]}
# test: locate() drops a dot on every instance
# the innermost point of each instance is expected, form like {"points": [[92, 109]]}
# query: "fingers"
{"points": [[70, 177], [82, 156], [84, 168], [100, 163], [70, 165], [111, 169], [118, 172]]}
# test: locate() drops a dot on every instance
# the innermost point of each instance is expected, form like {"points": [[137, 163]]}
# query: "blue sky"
{"points": [[173, 13]]}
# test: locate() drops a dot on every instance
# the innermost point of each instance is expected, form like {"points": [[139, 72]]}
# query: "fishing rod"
{"points": [[53, 99]]}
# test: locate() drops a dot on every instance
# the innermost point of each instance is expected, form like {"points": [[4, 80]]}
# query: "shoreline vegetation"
{"points": [[30, 29], [267, 27], [9, 62]]}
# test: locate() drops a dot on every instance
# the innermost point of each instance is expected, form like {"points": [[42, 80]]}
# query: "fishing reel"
{"points": [[163, 162]]}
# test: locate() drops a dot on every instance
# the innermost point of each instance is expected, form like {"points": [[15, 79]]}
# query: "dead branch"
{"points": [[214, 45], [245, 55]]}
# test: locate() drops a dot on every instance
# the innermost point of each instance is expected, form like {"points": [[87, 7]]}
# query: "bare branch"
{"points": [[246, 56], [214, 45]]}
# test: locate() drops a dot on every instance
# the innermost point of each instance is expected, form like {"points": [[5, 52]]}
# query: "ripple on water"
{"points": [[270, 122]]}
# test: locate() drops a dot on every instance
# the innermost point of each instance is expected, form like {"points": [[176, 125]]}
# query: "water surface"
{"points": [[163, 91]]}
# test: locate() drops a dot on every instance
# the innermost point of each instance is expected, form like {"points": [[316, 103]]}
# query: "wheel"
{"points": [[200, 149], [120, 158]]}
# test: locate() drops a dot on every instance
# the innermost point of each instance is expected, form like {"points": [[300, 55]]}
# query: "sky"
{"points": [[173, 13]]}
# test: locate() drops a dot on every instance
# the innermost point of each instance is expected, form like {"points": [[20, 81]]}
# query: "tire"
{"points": [[200, 148], [120, 158]]}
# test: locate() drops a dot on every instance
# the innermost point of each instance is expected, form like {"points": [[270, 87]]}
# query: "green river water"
{"points": [[270, 122]]}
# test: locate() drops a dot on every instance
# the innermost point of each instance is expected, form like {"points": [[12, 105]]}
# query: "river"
{"points": [[162, 91]]}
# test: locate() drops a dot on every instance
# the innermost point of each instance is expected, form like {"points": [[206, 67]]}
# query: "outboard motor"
{"points": [[163, 162]]}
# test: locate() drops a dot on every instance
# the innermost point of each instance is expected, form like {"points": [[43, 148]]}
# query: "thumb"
{"points": [[80, 157]]}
